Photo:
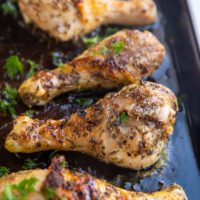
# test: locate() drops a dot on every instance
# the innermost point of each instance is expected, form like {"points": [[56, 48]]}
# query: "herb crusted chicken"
{"points": [[67, 19], [58, 183], [119, 60], [129, 128]]}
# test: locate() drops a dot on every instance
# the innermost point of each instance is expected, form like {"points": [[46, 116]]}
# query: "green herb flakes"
{"points": [[84, 101], [103, 50], [118, 47], [49, 193], [91, 40], [4, 171], [9, 8], [30, 113], [13, 66], [19, 191], [29, 164], [8, 103], [123, 117], [33, 66]]}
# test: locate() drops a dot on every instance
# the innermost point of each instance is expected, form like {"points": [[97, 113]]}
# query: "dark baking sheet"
{"points": [[180, 72]]}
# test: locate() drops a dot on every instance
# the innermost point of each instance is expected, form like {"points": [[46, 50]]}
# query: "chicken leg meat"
{"points": [[129, 128], [58, 183], [67, 19], [119, 60]]}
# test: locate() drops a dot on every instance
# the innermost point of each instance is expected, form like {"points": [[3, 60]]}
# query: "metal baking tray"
{"points": [[180, 72]]}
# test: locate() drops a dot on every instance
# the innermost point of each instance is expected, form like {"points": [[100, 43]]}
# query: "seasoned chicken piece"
{"points": [[67, 19], [121, 59], [129, 128], [58, 183]]}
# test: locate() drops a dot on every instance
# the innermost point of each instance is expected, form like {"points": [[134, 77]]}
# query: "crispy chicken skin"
{"points": [[67, 19], [119, 60], [79, 186], [129, 128]]}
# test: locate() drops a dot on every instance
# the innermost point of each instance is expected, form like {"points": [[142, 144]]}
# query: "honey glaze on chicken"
{"points": [[129, 128]]}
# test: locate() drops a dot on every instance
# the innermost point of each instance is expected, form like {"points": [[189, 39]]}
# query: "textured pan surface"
{"points": [[179, 72]]}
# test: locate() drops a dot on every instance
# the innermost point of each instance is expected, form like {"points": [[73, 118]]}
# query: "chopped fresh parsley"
{"points": [[4, 171], [29, 164], [110, 30], [118, 47], [19, 191], [123, 117], [9, 101], [103, 50], [49, 193], [32, 163], [89, 41], [9, 8], [33, 66], [30, 113], [13, 66], [57, 59], [84, 101]]}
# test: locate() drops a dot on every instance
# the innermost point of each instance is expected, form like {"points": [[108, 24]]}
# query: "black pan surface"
{"points": [[180, 72]]}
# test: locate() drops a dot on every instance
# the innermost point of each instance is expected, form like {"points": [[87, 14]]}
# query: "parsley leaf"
{"points": [[30, 113], [49, 193], [4, 171], [123, 117], [103, 50], [84, 101], [57, 59], [33, 67], [9, 102], [118, 47], [110, 31], [13, 66], [9, 8], [29, 164], [19, 191], [89, 41]]}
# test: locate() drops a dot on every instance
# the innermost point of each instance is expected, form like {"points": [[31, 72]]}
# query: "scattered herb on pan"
{"points": [[9, 101], [118, 47], [49, 193], [30, 113], [4, 171], [13, 66], [123, 117], [33, 66], [57, 59], [19, 191], [89, 41], [84, 101], [32, 163], [110, 30], [8, 7]]}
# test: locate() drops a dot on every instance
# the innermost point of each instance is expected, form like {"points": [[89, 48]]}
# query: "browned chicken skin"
{"points": [[69, 185], [121, 59], [129, 128], [67, 19]]}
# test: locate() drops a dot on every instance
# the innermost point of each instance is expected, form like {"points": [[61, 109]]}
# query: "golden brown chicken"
{"points": [[121, 59], [129, 128], [67, 19], [58, 183]]}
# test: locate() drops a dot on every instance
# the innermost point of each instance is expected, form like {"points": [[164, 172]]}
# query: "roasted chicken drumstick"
{"points": [[121, 59], [58, 183], [67, 19], [129, 128]]}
